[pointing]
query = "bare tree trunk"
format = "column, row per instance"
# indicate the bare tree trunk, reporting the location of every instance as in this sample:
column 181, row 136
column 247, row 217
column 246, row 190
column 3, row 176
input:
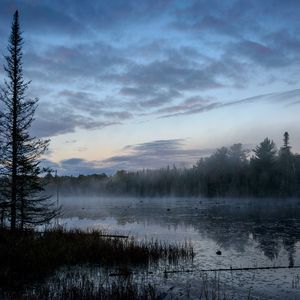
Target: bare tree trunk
column 2, row 218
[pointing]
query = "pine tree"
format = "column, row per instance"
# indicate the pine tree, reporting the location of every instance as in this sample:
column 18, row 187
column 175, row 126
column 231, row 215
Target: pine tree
column 265, row 153
column 263, row 167
column 21, row 183
column 286, row 142
column 286, row 167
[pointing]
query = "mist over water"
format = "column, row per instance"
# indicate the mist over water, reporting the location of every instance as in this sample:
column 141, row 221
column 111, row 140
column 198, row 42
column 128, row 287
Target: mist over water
column 248, row 232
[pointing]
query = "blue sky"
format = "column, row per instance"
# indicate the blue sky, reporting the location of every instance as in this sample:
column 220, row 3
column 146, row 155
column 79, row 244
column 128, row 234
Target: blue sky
column 139, row 84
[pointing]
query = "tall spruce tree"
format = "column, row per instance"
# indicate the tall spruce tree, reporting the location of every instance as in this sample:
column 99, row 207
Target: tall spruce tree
column 263, row 168
column 286, row 167
column 21, row 153
column 286, row 142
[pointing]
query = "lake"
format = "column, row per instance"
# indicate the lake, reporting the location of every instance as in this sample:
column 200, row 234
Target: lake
column 248, row 232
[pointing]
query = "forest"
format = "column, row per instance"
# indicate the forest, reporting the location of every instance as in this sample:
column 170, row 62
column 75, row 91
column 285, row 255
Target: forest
column 230, row 172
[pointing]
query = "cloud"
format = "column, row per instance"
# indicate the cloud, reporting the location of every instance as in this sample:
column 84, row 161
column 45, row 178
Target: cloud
column 206, row 24
column 40, row 17
column 286, row 97
column 73, row 18
column 81, row 61
column 264, row 55
column 165, row 74
column 236, row 18
column 162, row 82
column 88, row 103
column 76, row 109
column 192, row 103
column 98, row 64
column 46, row 163
column 71, row 162
column 153, row 85
column 150, row 155
column 55, row 120
column 157, row 154
column 76, row 166
column 265, row 33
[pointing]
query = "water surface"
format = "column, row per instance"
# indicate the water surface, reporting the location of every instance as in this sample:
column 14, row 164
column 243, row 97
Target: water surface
column 248, row 232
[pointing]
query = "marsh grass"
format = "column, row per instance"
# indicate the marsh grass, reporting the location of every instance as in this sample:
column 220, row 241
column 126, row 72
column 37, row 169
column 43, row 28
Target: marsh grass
column 72, row 283
column 77, row 285
column 29, row 255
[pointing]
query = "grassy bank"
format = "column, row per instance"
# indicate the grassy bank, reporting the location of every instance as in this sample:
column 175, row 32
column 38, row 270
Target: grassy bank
column 28, row 255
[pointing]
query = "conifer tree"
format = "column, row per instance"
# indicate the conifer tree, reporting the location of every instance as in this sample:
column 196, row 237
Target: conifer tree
column 263, row 167
column 286, row 166
column 21, row 153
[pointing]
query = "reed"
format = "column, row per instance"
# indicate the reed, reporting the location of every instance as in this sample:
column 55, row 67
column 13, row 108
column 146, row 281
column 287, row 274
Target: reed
column 29, row 255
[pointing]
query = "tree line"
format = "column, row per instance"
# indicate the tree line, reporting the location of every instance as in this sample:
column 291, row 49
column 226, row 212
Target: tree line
column 22, row 203
column 230, row 171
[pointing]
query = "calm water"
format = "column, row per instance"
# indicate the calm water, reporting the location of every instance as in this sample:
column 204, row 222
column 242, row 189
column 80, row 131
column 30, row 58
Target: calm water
column 249, row 233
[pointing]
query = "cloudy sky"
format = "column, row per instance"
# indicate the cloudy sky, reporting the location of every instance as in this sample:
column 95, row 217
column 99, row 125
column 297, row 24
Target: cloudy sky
column 142, row 83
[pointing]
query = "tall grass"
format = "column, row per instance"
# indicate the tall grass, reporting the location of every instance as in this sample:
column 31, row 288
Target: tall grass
column 82, row 283
column 28, row 255
column 77, row 285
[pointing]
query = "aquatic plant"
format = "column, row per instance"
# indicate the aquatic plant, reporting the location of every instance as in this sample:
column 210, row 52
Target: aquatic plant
column 29, row 255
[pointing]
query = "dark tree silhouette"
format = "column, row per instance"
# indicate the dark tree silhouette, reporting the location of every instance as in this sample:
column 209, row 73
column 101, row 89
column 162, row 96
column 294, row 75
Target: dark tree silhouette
column 21, row 184
column 286, row 141
column 263, row 167
column 286, row 167
column 265, row 153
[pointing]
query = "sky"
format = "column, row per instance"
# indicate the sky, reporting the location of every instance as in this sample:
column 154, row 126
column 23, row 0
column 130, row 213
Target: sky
column 145, row 84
